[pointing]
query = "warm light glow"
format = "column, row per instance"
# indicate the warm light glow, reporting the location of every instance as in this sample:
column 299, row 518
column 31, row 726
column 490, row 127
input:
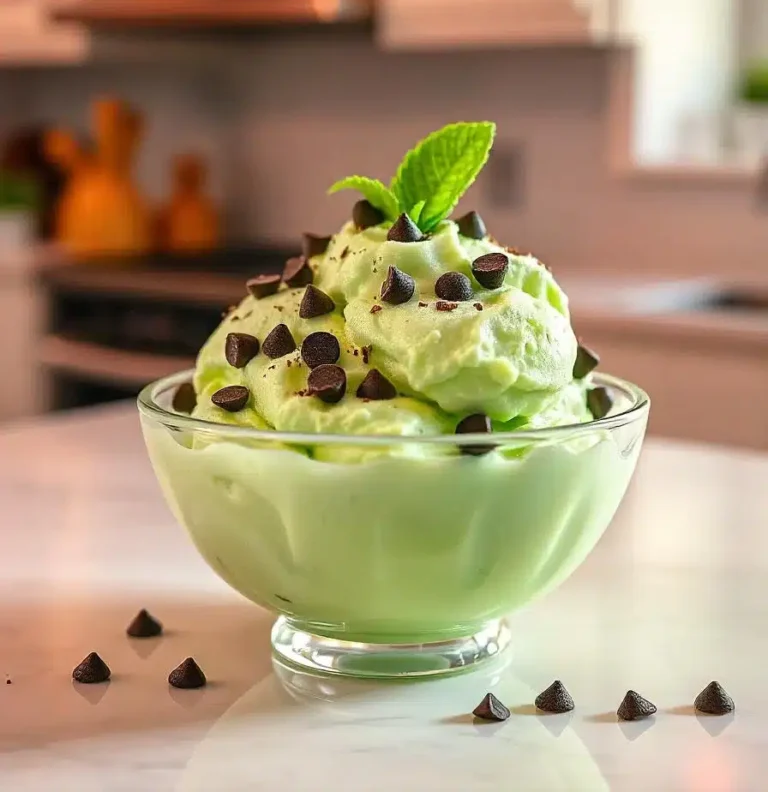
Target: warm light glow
column 712, row 770
column 326, row 9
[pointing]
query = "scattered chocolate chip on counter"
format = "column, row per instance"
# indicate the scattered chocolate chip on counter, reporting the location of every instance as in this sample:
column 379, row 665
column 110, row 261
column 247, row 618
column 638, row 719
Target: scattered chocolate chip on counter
column 144, row 625
column 555, row 699
column 187, row 676
column 635, row 707
column 713, row 700
column 491, row 709
column 91, row 670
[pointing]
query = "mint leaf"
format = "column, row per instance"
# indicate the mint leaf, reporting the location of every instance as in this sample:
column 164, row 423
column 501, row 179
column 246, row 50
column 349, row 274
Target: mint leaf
column 415, row 212
column 373, row 191
column 441, row 168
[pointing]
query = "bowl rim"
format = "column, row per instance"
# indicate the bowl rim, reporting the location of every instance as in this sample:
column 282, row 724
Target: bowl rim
column 149, row 408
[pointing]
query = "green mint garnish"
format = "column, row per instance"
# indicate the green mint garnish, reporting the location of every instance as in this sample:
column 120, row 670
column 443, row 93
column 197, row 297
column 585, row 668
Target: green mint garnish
column 415, row 212
column 432, row 176
column 374, row 192
column 441, row 168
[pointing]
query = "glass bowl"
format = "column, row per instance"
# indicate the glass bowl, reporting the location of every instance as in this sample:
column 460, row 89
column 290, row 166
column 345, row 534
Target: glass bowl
column 393, row 556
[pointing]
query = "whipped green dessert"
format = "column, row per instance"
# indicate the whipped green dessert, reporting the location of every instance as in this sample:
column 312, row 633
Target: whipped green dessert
column 403, row 326
column 424, row 320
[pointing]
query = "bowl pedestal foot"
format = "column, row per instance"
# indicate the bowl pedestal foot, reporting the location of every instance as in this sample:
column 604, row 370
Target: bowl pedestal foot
column 308, row 651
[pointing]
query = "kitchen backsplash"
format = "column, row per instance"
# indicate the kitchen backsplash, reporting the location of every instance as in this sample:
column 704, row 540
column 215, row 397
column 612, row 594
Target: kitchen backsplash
column 281, row 119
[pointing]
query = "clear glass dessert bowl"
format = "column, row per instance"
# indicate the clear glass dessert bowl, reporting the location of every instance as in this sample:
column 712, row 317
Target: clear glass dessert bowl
column 393, row 556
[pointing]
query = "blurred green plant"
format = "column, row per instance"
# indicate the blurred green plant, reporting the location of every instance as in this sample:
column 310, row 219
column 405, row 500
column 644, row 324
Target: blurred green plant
column 754, row 84
column 18, row 192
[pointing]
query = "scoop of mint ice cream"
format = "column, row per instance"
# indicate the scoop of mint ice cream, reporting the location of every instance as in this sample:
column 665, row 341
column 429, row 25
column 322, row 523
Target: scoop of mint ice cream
column 506, row 352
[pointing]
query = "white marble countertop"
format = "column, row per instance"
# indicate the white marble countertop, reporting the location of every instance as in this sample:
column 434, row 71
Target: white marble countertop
column 674, row 596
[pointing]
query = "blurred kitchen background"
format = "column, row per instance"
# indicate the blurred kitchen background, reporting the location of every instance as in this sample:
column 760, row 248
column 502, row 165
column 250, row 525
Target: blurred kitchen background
column 155, row 153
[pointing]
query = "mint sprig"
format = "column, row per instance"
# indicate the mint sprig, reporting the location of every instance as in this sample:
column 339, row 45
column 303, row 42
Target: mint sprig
column 373, row 191
column 432, row 176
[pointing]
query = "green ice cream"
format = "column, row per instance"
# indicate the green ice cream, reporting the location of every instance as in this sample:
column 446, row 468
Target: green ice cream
column 506, row 352
column 396, row 328
column 503, row 348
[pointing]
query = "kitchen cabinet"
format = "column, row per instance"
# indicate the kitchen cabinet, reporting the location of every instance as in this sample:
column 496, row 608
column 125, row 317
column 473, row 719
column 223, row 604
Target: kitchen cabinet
column 449, row 24
column 398, row 24
column 29, row 35
column 22, row 309
column 705, row 371
column 212, row 13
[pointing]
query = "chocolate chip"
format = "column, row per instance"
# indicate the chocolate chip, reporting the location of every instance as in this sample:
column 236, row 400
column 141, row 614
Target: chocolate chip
column 398, row 287
column 279, row 342
column 315, row 303
column 423, row 304
column 319, row 348
column 187, row 675
column 454, row 286
column 366, row 351
column 471, row 225
column 475, row 424
column 144, row 625
column 404, row 230
column 327, row 382
column 365, row 215
column 184, row 400
column 376, row 387
column 635, row 707
column 713, row 700
column 92, row 670
column 441, row 305
column 297, row 271
column 232, row 398
column 490, row 708
column 263, row 285
column 344, row 253
column 599, row 401
column 555, row 699
column 489, row 270
column 586, row 361
column 375, row 309
column 240, row 349
column 313, row 245
column 478, row 306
